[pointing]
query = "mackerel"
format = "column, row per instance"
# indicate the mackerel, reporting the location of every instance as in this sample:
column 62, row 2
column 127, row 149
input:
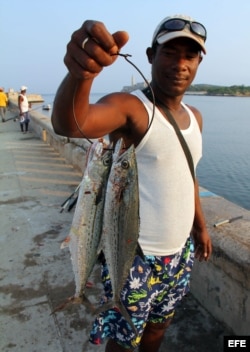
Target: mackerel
column 121, row 221
column 86, row 228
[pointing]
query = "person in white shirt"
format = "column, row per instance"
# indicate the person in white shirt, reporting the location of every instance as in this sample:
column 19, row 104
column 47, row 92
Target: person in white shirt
column 23, row 106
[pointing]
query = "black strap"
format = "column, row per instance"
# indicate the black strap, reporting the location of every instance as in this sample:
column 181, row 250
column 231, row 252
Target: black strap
column 177, row 130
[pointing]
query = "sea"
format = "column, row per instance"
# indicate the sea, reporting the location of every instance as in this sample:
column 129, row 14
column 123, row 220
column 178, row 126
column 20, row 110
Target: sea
column 225, row 166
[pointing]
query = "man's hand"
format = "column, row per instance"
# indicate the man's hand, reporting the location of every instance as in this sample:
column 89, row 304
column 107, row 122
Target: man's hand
column 202, row 243
column 91, row 48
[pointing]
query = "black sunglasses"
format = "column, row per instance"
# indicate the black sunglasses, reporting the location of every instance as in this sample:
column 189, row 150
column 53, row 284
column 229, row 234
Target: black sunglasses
column 178, row 24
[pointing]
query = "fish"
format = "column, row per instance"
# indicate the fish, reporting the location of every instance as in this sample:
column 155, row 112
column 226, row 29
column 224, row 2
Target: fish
column 86, row 228
column 121, row 221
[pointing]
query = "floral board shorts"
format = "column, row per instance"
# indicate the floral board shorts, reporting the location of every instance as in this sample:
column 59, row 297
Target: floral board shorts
column 153, row 289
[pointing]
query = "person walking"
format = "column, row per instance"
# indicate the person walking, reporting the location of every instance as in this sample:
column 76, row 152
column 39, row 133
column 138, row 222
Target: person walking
column 3, row 103
column 23, row 106
column 172, row 225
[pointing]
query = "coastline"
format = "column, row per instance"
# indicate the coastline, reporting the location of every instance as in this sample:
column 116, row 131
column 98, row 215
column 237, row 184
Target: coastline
column 195, row 90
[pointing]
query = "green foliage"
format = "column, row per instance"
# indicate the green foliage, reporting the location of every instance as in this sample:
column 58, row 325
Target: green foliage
column 208, row 89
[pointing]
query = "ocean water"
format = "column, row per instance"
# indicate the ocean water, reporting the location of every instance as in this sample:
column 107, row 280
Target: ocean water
column 49, row 99
column 225, row 166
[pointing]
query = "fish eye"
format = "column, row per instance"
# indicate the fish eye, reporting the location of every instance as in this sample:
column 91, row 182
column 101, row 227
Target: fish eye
column 125, row 164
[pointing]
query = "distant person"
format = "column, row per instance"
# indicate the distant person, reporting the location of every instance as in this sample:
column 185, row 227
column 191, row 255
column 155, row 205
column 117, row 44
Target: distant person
column 23, row 106
column 3, row 104
column 172, row 225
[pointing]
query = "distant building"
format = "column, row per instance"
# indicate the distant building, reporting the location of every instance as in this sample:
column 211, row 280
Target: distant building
column 134, row 86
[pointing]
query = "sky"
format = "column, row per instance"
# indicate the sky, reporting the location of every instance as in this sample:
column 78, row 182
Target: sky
column 34, row 35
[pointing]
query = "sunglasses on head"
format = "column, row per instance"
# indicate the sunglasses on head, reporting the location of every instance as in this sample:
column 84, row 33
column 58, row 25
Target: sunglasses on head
column 178, row 24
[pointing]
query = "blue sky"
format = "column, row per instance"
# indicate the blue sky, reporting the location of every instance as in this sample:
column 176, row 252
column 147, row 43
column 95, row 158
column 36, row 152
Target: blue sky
column 34, row 35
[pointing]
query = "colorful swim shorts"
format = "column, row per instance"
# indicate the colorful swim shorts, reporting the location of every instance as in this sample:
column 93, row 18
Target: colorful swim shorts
column 153, row 289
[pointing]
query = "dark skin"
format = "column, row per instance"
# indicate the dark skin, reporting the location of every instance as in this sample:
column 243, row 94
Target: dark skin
column 174, row 66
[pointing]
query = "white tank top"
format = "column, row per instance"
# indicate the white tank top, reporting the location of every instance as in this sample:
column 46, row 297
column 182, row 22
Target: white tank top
column 165, row 183
column 24, row 105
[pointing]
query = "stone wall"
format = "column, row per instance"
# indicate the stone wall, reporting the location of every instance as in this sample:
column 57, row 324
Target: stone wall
column 222, row 285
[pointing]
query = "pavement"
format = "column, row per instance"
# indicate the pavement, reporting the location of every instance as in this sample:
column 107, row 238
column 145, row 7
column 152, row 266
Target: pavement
column 36, row 275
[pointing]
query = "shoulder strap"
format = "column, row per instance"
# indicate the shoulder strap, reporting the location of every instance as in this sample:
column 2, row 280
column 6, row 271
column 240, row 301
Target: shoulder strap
column 181, row 139
column 178, row 132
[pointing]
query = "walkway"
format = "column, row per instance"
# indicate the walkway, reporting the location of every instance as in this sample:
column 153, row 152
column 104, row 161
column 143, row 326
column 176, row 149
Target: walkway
column 36, row 275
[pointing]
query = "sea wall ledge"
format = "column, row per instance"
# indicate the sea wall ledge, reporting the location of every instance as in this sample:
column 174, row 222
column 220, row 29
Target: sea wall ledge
column 222, row 286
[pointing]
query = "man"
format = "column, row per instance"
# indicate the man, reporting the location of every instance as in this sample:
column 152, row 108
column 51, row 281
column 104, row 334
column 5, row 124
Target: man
column 3, row 104
column 23, row 106
column 170, row 208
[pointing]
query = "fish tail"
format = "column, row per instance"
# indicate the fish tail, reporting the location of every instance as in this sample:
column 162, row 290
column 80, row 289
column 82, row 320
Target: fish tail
column 62, row 306
column 75, row 300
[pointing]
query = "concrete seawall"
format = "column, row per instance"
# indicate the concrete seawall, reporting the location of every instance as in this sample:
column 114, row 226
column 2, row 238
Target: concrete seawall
column 32, row 98
column 222, row 285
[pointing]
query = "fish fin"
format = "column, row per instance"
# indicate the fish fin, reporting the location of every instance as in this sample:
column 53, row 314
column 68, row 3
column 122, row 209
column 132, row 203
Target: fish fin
column 65, row 243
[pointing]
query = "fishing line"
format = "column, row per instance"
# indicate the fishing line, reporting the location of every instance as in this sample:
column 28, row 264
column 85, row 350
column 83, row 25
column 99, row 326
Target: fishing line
column 18, row 116
column 145, row 80
column 125, row 56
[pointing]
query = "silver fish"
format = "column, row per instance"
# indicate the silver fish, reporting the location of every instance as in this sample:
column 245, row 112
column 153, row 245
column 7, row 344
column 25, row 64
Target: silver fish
column 86, row 228
column 121, row 221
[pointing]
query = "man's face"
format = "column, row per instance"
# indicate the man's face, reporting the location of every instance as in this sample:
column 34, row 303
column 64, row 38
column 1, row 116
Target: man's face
column 174, row 65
